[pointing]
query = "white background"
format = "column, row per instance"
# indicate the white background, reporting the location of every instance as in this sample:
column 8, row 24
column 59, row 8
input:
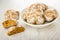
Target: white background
column 51, row 32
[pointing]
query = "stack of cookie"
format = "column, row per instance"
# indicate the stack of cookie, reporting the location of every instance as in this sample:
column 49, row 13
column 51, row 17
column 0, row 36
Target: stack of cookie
column 11, row 17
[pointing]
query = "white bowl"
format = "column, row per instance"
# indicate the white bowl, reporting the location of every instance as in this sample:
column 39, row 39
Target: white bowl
column 41, row 25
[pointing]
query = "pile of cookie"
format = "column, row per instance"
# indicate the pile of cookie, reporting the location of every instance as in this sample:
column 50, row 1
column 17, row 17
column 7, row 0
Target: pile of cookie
column 11, row 22
column 39, row 14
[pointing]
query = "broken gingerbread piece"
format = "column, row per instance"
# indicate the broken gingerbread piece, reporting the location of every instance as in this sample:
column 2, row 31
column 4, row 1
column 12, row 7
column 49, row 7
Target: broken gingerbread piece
column 15, row 30
column 9, row 23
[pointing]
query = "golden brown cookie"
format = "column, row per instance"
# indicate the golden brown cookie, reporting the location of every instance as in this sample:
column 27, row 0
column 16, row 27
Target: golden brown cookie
column 9, row 23
column 15, row 30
